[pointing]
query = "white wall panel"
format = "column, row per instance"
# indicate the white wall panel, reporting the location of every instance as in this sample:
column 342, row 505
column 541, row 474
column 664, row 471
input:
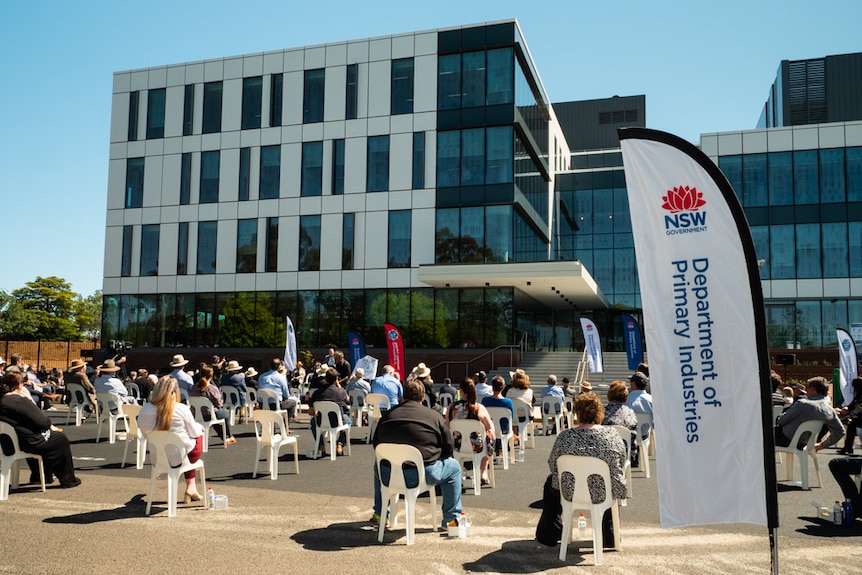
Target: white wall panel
column 291, row 112
column 291, row 170
column 853, row 134
column 425, row 84
column 330, row 241
column 315, row 57
column 139, row 80
column 229, row 175
column 273, row 62
column 380, row 80
column 120, row 117
column 335, row 93
column 195, row 73
column 231, row 105
column 287, row 281
column 233, row 68
column 401, row 161
column 425, row 43
column 288, row 243
column 157, row 78
column 116, row 184
column 402, row 46
column 168, row 242
column 376, row 239
column 113, row 251
column 252, row 65
column 836, row 287
column 176, row 75
column 754, row 142
column 245, row 282
column 805, row 138
column 226, row 254
column 122, row 82
column 171, row 174
column 330, row 280
column 780, row 140
column 213, row 70
column 380, row 49
column 336, row 54
column 355, row 153
column 831, row 136
column 152, row 181
column 422, row 239
column 730, row 143
column 308, row 280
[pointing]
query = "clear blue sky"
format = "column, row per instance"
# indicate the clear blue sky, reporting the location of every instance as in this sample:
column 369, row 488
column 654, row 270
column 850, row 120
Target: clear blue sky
column 703, row 66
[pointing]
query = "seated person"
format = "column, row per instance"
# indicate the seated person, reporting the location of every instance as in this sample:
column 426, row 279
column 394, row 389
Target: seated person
column 388, row 385
column 411, row 423
column 807, row 408
column 588, row 438
column 35, row 432
column 331, row 391
column 107, row 383
column 843, row 469
column 235, row 378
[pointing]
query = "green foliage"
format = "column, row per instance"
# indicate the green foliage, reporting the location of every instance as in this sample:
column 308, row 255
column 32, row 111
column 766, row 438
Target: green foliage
column 47, row 309
column 247, row 324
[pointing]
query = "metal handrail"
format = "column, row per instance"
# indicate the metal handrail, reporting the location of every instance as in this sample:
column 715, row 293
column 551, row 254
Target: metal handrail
column 467, row 363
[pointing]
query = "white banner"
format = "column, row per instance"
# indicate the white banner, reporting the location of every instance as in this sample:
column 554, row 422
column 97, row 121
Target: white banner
column 290, row 346
column 849, row 364
column 694, row 259
column 592, row 344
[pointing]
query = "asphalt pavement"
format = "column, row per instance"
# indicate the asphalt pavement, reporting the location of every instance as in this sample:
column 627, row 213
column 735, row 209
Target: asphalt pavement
column 317, row 521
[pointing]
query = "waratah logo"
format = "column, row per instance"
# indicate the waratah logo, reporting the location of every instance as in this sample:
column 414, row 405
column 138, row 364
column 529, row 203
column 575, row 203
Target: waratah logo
column 683, row 199
column 393, row 335
column 845, row 344
column 683, row 204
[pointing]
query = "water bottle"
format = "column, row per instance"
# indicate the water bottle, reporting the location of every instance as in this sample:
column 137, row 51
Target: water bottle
column 210, row 498
column 837, row 514
column 848, row 514
column 582, row 526
column 462, row 526
column 520, row 457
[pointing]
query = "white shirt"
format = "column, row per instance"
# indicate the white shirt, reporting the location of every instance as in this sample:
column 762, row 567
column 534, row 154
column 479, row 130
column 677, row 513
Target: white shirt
column 183, row 423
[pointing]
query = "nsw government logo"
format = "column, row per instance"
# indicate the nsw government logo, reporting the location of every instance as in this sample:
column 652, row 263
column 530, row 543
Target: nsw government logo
column 393, row 335
column 845, row 343
column 685, row 215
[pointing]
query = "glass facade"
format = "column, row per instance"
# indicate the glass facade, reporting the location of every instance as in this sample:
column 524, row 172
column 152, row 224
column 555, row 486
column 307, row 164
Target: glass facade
column 418, row 160
column 351, row 92
column 276, row 96
column 207, row 247
column 183, row 249
column 348, row 239
column 132, row 127
column 134, row 197
column 271, row 255
column 377, row 179
column 244, row 174
column 188, row 109
column 209, row 183
column 401, row 96
column 252, row 102
column 156, row 114
column 400, row 232
column 149, row 250
column 212, row 108
column 309, row 243
column 185, row 179
column 312, row 169
column 270, row 172
column 337, row 167
column 246, row 246
column 313, row 96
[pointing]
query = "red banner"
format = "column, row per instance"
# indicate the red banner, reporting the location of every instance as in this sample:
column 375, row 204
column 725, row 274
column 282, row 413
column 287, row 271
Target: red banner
column 395, row 344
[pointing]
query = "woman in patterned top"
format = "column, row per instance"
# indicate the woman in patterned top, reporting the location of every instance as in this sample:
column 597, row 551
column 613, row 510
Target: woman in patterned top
column 618, row 413
column 589, row 438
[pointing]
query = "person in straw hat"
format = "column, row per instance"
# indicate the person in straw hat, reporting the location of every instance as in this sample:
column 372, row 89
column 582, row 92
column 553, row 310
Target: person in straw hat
column 423, row 373
column 107, row 382
column 78, row 374
column 184, row 380
column 234, row 377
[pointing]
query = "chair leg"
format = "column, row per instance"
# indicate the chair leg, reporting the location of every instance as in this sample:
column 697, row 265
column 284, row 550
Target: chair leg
column 817, row 469
column 803, row 472
column 150, row 495
column 256, row 461
column 598, row 536
column 296, row 457
column 273, row 462
column 566, row 536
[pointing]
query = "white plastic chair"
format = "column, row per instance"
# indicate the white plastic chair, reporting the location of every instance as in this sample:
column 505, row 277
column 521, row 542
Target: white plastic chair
column 201, row 407
column 110, row 401
column 444, row 400
column 169, row 457
column 626, row 436
column 374, row 403
column 134, row 391
column 78, row 400
column 524, row 421
column 134, row 435
column 328, row 420
column 552, row 410
column 184, row 395
column 465, row 452
column 812, row 427
column 270, row 401
column 397, row 455
column 358, row 406
column 644, row 444
column 581, row 468
column 271, row 432
column 230, row 400
column 503, row 419
column 10, row 460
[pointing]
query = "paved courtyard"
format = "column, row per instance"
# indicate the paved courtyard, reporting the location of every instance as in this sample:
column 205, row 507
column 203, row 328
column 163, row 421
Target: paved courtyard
column 317, row 522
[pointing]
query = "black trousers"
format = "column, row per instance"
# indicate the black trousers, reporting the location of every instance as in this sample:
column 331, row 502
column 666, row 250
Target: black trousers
column 842, row 469
column 56, row 456
column 549, row 531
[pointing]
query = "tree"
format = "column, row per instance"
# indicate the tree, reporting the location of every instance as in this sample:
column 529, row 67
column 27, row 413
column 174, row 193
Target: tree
column 50, row 303
column 15, row 321
column 88, row 315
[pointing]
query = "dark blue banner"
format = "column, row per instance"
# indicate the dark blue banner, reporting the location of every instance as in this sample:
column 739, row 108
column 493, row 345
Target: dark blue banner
column 632, row 336
column 356, row 346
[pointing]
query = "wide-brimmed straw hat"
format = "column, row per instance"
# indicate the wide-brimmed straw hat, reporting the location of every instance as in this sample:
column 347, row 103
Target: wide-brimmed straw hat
column 233, row 365
column 109, row 366
column 250, row 372
column 77, row 364
column 421, row 370
column 586, row 386
column 179, row 361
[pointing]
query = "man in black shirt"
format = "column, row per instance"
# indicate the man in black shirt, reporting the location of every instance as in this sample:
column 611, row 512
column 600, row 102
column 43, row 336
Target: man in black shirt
column 412, row 423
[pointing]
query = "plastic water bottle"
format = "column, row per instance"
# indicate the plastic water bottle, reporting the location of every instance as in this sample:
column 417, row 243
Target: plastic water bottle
column 462, row 526
column 837, row 514
column 848, row 514
column 210, row 499
column 582, row 526
column 520, row 457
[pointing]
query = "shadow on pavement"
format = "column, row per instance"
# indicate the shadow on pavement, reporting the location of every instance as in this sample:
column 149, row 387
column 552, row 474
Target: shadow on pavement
column 526, row 556
column 135, row 507
column 820, row 527
column 343, row 536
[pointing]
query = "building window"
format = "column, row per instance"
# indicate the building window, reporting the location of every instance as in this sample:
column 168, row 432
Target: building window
column 276, row 94
column 449, row 82
column 207, row 247
column 246, row 246
column 312, row 169
column 271, row 256
column 270, row 172
column 351, row 96
column 472, row 79
column 244, row 171
column 499, row 154
column 399, row 238
column 475, row 79
column 418, row 160
column 149, row 250
column 188, row 109
column 448, row 159
column 337, row 167
column 472, row 157
column 183, row 249
column 212, row 108
column 347, row 240
column 313, row 92
column 476, row 156
column 378, row 164
column 156, row 114
column 209, row 177
column 805, row 181
column 186, row 179
column 501, row 74
column 252, row 98
column 402, row 86
column 126, row 258
column 134, row 97
column 134, row 182
column 309, row 243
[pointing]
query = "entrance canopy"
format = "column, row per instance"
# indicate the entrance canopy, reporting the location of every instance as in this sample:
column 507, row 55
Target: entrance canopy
column 556, row 285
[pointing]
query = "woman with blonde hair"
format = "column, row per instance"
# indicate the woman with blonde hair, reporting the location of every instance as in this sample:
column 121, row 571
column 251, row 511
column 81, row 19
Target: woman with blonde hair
column 165, row 412
column 520, row 387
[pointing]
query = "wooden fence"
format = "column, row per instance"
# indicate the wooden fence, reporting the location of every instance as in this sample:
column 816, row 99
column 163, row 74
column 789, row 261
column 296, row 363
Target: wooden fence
column 48, row 353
